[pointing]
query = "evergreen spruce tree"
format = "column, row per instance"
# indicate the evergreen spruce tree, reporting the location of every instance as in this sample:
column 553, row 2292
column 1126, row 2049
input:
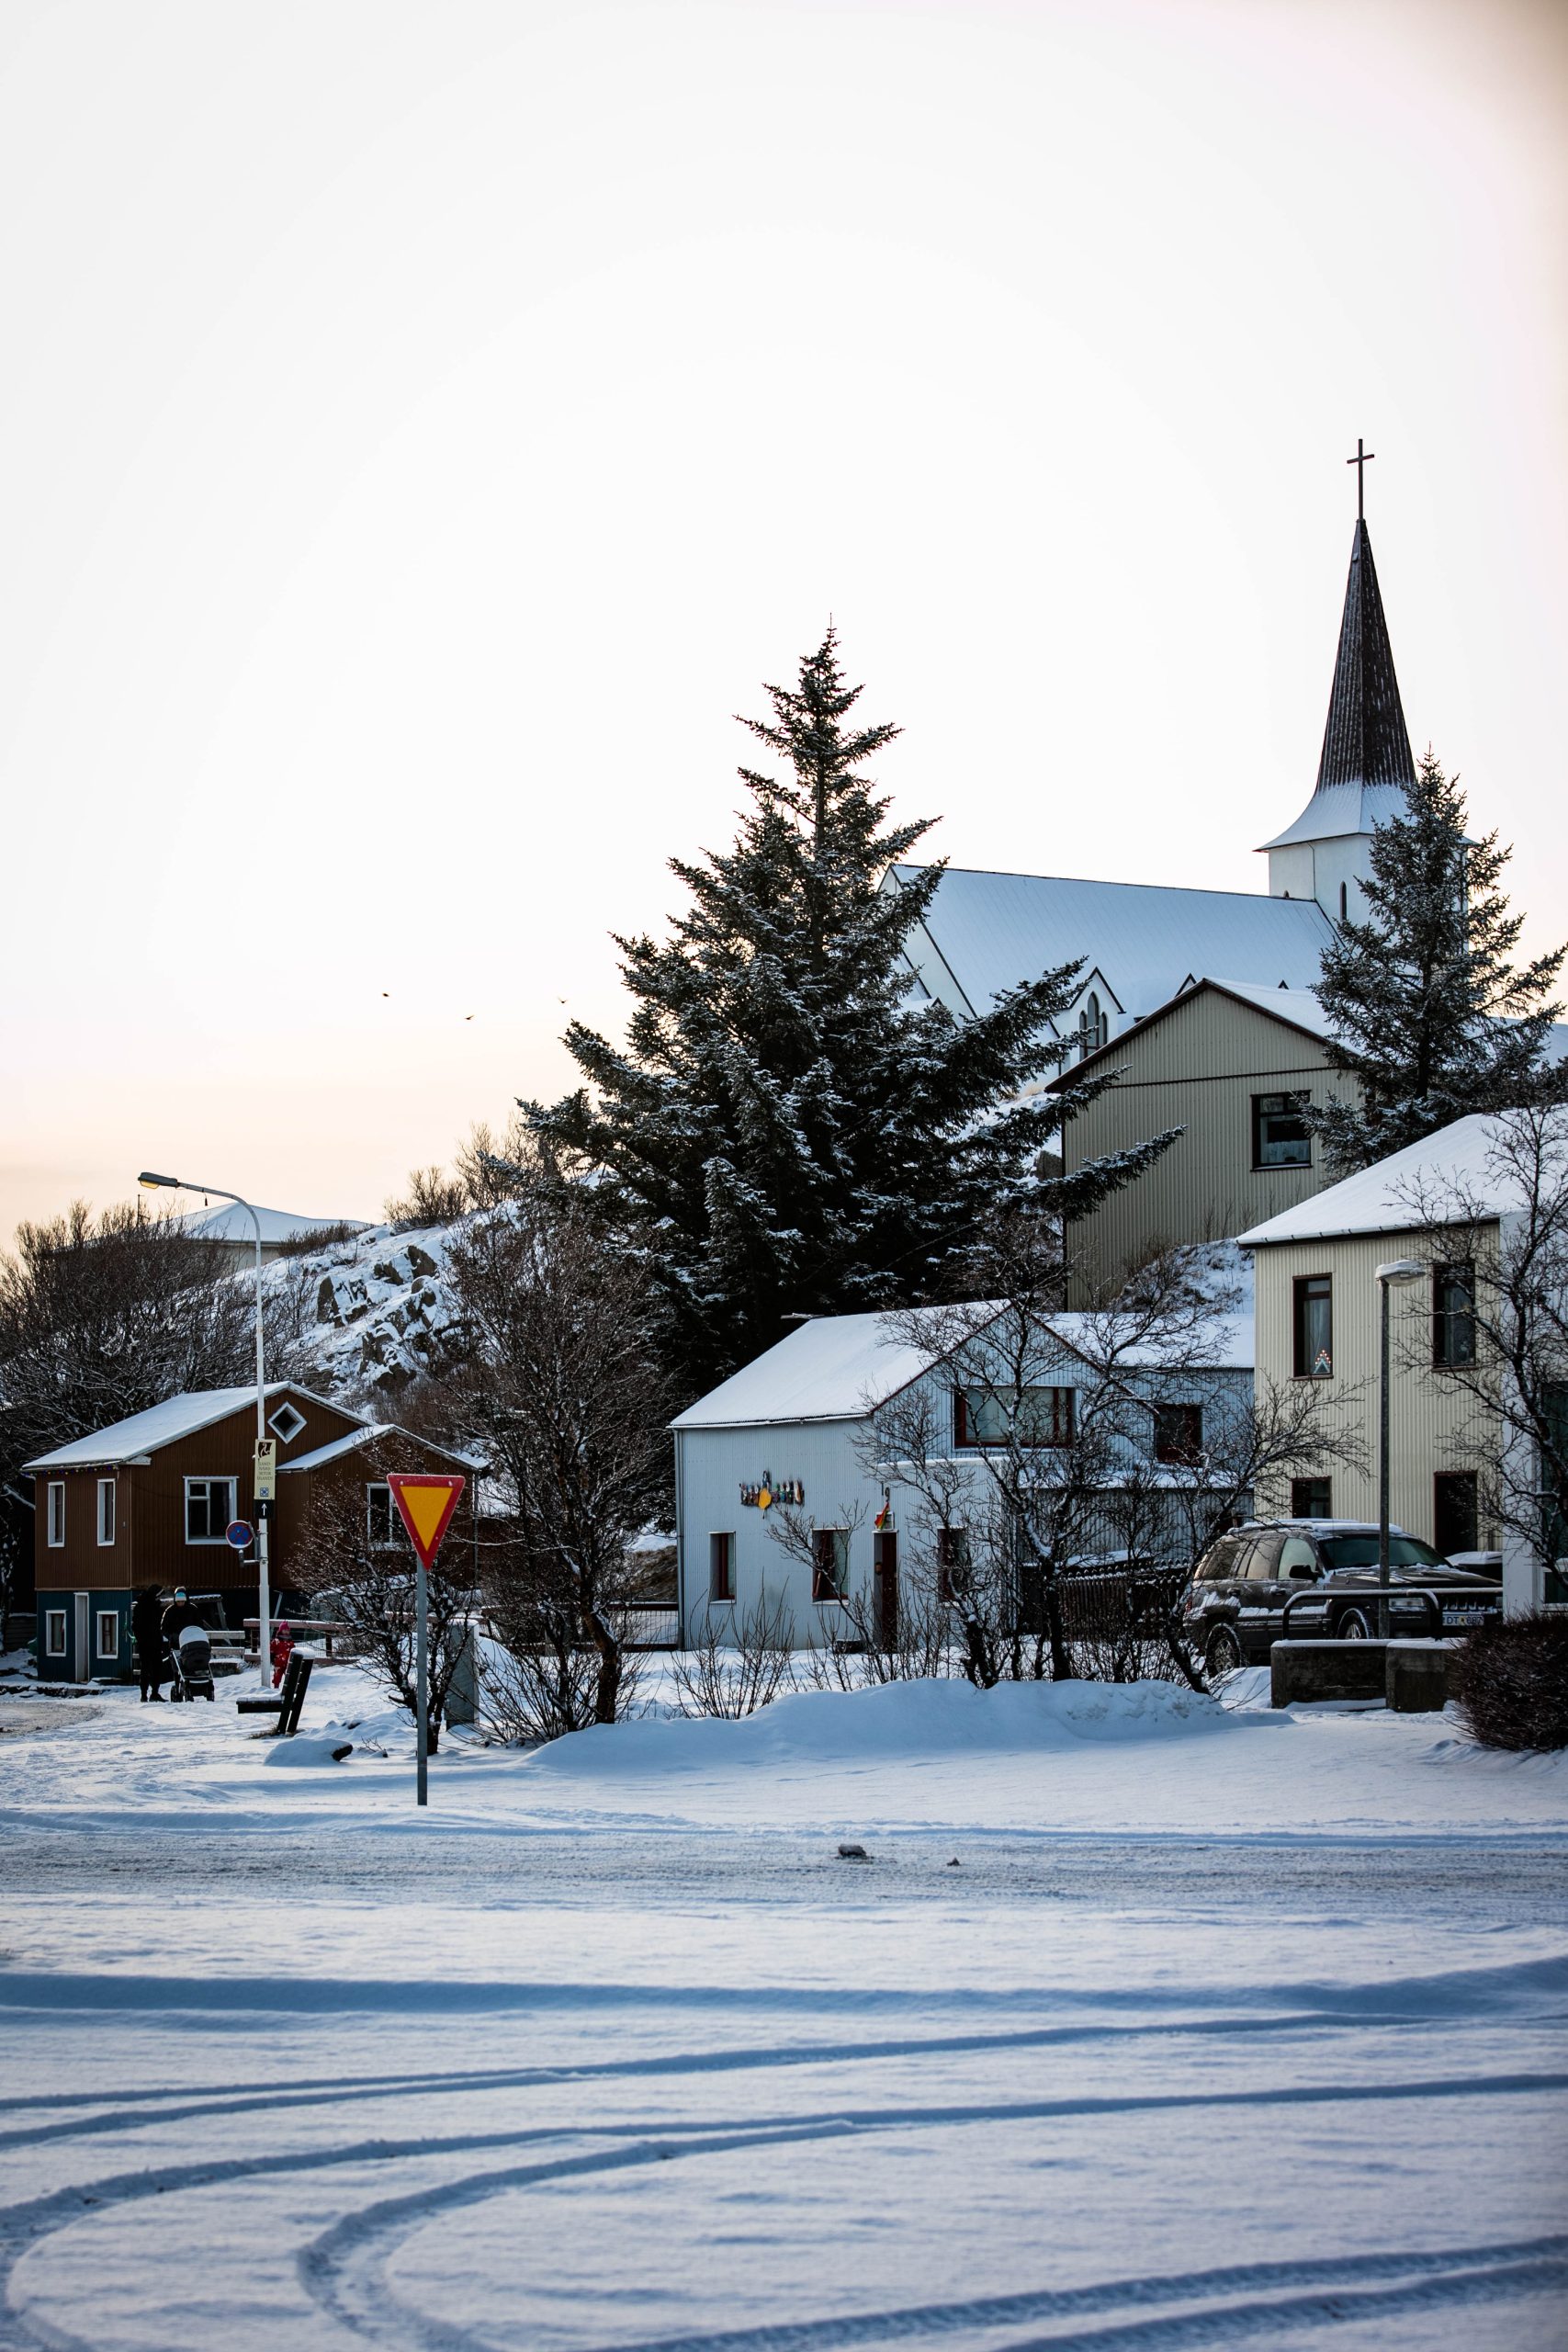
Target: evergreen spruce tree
column 785, row 1131
column 1429, row 1012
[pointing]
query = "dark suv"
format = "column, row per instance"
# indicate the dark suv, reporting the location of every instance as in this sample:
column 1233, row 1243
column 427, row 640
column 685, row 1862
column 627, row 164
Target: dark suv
column 1234, row 1608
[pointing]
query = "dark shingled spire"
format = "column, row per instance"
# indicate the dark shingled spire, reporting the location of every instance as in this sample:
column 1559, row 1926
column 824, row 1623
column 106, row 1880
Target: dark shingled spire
column 1365, row 741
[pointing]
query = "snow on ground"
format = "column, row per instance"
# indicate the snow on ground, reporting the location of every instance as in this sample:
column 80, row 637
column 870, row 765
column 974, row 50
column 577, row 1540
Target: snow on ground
column 1150, row 2022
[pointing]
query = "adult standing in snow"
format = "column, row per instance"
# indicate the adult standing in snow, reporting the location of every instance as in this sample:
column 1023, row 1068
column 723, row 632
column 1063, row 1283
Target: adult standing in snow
column 180, row 1613
column 282, row 1651
column 147, row 1630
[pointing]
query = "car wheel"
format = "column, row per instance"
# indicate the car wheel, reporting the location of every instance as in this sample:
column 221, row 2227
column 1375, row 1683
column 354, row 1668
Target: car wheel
column 1222, row 1655
column 1353, row 1627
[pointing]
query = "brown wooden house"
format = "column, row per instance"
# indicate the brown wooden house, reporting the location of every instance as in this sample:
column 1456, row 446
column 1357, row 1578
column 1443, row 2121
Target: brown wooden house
column 147, row 1502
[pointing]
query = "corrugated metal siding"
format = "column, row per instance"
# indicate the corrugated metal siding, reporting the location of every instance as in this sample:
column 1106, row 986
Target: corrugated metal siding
column 1426, row 1416
column 1197, row 1068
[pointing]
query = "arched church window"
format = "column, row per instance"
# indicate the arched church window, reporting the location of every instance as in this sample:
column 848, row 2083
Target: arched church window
column 1094, row 1026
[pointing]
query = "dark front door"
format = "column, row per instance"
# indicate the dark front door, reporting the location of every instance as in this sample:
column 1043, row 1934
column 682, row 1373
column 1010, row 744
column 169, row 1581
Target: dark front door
column 1455, row 1516
column 885, row 1565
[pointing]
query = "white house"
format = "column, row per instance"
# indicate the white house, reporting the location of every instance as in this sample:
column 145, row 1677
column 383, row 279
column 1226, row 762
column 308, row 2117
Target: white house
column 806, row 1439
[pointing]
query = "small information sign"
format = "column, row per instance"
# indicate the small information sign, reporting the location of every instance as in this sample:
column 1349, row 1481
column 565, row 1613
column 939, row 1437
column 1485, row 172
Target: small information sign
column 264, row 1483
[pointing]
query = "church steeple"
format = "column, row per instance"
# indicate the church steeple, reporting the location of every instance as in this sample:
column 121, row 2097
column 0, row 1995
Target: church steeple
column 1365, row 767
column 1365, row 741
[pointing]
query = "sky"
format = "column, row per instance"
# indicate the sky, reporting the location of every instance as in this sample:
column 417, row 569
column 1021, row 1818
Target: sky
column 425, row 426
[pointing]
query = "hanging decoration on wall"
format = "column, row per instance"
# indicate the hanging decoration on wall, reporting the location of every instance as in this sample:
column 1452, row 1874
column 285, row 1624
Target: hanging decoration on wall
column 884, row 1515
column 770, row 1490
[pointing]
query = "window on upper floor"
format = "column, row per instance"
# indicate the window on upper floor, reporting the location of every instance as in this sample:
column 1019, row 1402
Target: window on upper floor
column 106, row 1510
column 55, row 1509
column 1280, row 1136
column 1453, row 1313
column 1314, row 1326
column 1312, row 1498
column 210, row 1507
column 1026, row 1417
column 382, row 1524
column 1094, row 1026
column 1179, row 1434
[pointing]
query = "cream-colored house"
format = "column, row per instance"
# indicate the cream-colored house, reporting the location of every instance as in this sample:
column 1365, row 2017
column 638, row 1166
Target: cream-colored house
column 1229, row 1063
column 1452, row 1202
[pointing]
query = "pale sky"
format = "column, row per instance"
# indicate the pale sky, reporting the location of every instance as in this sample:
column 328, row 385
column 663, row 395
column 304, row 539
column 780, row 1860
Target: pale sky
column 424, row 425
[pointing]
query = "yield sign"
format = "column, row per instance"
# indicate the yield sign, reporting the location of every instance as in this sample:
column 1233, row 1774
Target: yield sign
column 425, row 1506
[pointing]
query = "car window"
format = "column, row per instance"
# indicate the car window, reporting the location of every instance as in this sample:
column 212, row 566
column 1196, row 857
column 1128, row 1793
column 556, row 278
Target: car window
column 1361, row 1552
column 1221, row 1562
column 1298, row 1558
column 1260, row 1560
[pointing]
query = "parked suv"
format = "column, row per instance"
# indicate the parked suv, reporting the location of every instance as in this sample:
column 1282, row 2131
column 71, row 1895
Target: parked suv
column 1234, row 1607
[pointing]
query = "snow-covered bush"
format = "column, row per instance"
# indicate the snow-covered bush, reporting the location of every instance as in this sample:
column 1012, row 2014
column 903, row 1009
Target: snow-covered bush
column 1511, row 1681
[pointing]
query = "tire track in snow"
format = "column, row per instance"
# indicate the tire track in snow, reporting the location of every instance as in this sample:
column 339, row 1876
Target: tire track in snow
column 359, row 2240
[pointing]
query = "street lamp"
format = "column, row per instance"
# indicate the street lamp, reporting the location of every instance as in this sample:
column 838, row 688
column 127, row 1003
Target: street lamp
column 152, row 1183
column 1400, row 1271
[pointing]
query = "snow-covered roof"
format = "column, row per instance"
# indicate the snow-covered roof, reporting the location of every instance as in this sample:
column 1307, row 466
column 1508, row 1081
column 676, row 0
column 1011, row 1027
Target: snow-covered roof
column 834, row 1368
column 991, row 930
column 1298, row 1008
column 1458, row 1164
column 231, row 1222
column 160, row 1425
column 841, row 1367
column 1338, row 808
column 368, row 1435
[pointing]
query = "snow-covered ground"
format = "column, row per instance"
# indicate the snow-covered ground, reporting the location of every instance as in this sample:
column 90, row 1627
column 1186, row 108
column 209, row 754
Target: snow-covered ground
column 1149, row 2023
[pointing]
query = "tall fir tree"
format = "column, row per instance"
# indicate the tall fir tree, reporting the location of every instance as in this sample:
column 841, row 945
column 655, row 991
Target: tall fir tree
column 786, row 1131
column 1430, row 1014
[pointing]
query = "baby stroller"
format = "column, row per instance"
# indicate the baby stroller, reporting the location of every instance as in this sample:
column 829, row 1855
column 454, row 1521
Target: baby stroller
column 192, row 1658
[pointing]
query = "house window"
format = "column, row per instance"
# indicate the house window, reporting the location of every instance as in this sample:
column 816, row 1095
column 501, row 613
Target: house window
column 210, row 1507
column 1094, row 1026
column 108, row 1632
column 1312, row 1498
column 106, row 1510
column 830, row 1563
column 56, row 1514
column 1456, row 1515
column 1179, row 1434
column 381, row 1521
column 1280, row 1136
column 1453, row 1314
column 1014, row 1416
column 721, row 1568
column 1314, row 1327
column 286, row 1423
column 54, row 1633
column 952, row 1562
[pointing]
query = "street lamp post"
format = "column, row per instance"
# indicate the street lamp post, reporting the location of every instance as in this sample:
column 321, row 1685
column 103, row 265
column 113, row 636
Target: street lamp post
column 1400, row 1271
column 153, row 1183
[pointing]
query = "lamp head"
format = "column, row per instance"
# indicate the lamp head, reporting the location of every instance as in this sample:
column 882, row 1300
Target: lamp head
column 152, row 1183
column 1400, row 1270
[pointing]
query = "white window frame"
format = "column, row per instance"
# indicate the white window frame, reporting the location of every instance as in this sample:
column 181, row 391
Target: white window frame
column 55, row 1506
column 724, row 1535
column 106, row 1512
column 293, row 1421
column 388, row 1543
column 57, row 1619
column 109, row 1621
column 217, row 1479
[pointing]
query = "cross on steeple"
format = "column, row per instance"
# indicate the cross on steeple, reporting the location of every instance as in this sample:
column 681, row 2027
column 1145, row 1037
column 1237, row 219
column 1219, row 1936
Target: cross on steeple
column 1361, row 460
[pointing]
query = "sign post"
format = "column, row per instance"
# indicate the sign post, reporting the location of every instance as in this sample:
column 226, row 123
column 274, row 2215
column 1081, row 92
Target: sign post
column 425, row 1506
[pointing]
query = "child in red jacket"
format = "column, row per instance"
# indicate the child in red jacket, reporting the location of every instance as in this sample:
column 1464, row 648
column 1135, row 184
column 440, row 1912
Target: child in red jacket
column 282, row 1651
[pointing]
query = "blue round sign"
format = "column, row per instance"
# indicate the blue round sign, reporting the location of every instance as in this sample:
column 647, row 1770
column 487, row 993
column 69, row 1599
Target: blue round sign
column 241, row 1533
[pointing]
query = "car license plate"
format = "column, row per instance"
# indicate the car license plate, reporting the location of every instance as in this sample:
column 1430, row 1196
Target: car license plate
column 1464, row 1616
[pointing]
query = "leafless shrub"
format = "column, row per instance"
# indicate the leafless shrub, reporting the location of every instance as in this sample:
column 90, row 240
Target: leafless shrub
column 736, row 1662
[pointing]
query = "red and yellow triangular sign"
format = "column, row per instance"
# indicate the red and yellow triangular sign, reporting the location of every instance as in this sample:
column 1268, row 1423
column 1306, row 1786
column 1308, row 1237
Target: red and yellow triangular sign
column 425, row 1506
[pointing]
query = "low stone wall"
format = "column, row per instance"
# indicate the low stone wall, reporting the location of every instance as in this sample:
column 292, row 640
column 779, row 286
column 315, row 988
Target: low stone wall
column 1410, row 1677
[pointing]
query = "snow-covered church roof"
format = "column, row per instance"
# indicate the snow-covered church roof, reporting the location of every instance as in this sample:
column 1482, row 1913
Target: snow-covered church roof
column 985, row 933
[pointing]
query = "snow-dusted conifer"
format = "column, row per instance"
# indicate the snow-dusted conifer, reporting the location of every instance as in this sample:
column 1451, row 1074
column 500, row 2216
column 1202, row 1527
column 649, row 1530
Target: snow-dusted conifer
column 786, row 1131
column 1429, row 1012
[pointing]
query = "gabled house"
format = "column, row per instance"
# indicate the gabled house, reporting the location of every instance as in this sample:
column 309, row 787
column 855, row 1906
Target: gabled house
column 813, row 1429
column 1230, row 1064
column 147, row 1501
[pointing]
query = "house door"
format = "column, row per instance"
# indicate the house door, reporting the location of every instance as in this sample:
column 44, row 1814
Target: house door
column 884, row 1572
column 81, row 1656
column 1454, row 1511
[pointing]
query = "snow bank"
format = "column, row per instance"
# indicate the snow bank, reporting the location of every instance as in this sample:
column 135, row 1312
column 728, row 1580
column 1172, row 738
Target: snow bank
column 922, row 1721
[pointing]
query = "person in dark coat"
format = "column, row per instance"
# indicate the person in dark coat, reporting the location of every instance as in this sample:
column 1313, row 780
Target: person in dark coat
column 180, row 1613
column 147, row 1630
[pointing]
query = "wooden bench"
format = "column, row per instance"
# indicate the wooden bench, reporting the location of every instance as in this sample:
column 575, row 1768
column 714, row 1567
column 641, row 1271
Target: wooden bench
column 288, row 1703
